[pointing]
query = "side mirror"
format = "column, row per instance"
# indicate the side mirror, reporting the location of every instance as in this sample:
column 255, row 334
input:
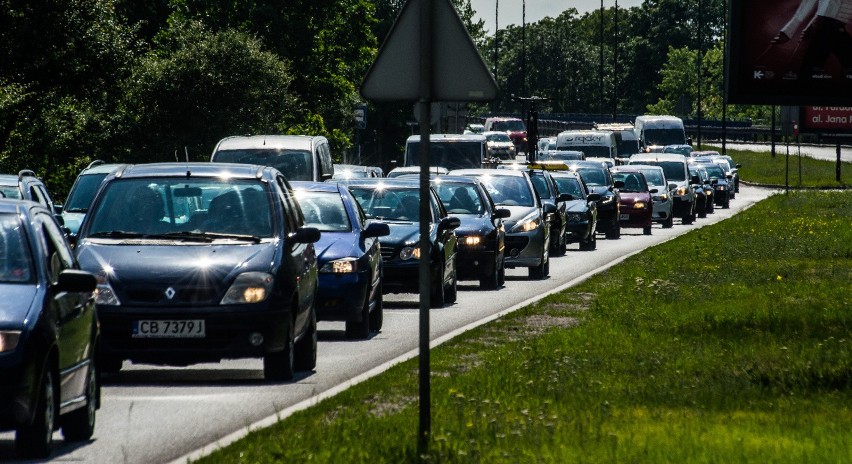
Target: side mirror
column 306, row 235
column 58, row 207
column 564, row 197
column 653, row 191
column 619, row 184
column 689, row 141
column 593, row 197
column 738, row 166
column 714, row 182
column 73, row 281
column 376, row 229
column 59, row 219
column 672, row 186
column 695, row 180
column 450, row 223
column 548, row 208
column 729, row 177
column 501, row 213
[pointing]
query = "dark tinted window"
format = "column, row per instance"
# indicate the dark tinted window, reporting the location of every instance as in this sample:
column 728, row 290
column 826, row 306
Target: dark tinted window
column 16, row 265
column 569, row 186
column 324, row 210
column 83, row 192
column 460, row 198
column 508, row 190
column 294, row 164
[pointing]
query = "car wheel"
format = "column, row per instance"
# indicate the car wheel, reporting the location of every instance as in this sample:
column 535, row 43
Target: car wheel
column 377, row 316
column 278, row 365
column 614, row 233
column 36, row 440
column 646, row 230
column 501, row 276
column 558, row 247
column 438, row 297
column 669, row 222
column 360, row 330
column 79, row 425
column 110, row 364
column 689, row 218
column 305, row 357
column 541, row 271
column 452, row 292
column 712, row 207
column 490, row 281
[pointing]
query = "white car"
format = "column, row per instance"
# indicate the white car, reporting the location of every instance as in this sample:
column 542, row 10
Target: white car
column 656, row 178
column 499, row 145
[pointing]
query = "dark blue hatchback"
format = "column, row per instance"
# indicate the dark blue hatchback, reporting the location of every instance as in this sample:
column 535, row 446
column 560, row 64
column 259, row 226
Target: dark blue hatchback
column 199, row 262
column 349, row 257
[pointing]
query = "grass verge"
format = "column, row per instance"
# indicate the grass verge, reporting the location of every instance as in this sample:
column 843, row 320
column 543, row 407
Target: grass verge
column 732, row 343
column 762, row 168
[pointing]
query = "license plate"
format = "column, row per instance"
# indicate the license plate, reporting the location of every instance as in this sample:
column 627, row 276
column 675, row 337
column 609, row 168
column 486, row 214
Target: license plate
column 160, row 328
column 624, row 217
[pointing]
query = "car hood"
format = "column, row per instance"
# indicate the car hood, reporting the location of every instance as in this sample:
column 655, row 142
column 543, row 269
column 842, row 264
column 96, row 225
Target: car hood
column 576, row 206
column 402, row 233
column 600, row 190
column 141, row 273
column 336, row 245
column 15, row 304
column 474, row 224
column 518, row 213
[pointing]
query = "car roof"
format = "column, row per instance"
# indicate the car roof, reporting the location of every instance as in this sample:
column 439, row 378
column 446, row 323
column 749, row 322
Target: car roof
column 628, row 168
column 450, row 138
column 316, row 186
column 503, row 118
column 197, row 169
column 657, row 157
column 488, row 172
column 587, row 164
column 295, row 142
column 455, row 179
column 11, row 205
column 385, row 183
column 571, row 174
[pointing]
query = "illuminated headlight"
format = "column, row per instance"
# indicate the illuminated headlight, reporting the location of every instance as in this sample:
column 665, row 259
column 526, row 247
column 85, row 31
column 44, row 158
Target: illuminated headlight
column 9, row 340
column 341, row 266
column 662, row 197
column 104, row 294
column 409, row 252
column 473, row 240
column 249, row 287
column 608, row 199
column 720, row 187
column 528, row 224
column 682, row 191
column 575, row 217
column 639, row 205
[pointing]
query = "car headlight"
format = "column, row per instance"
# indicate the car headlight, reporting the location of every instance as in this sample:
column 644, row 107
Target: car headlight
column 528, row 224
column 682, row 191
column 720, row 187
column 639, row 205
column 472, row 240
column 607, row 199
column 341, row 266
column 249, row 287
column 104, row 294
column 9, row 340
column 409, row 252
column 662, row 197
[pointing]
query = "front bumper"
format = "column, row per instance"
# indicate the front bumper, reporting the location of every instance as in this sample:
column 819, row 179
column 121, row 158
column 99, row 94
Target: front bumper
column 577, row 231
column 525, row 249
column 476, row 264
column 631, row 217
column 682, row 206
column 341, row 297
column 607, row 216
column 662, row 210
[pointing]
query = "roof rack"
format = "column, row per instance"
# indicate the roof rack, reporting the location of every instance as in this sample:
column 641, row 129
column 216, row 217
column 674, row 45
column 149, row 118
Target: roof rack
column 95, row 163
column 26, row 173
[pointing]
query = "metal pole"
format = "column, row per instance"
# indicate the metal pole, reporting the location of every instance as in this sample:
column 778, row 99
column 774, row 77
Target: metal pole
column 615, row 68
column 524, row 47
column 725, row 86
column 601, row 72
column 772, row 133
column 837, row 165
column 496, row 35
column 426, row 78
column 700, row 59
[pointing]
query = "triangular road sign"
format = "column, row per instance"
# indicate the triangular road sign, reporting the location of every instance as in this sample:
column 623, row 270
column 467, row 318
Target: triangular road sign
column 458, row 71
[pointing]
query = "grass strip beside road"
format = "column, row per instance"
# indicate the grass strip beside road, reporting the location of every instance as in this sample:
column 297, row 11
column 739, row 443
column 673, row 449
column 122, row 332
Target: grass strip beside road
column 732, row 343
column 761, row 168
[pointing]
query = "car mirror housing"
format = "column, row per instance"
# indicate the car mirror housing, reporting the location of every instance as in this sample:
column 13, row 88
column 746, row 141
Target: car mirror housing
column 619, row 184
column 377, row 229
column 73, row 281
column 672, row 186
column 653, row 191
column 594, row 197
column 501, row 213
column 306, row 235
column 564, row 197
column 450, row 223
column 549, row 208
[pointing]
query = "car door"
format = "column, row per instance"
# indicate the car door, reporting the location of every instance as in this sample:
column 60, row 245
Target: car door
column 371, row 245
column 446, row 237
column 301, row 255
column 73, row 312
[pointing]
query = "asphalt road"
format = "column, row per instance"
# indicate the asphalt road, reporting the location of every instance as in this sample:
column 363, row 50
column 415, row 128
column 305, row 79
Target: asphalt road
column 154, row 414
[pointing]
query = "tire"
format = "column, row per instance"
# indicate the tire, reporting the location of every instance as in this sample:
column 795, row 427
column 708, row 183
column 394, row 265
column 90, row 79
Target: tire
column 279, row 365
column 501, row 276
column 360, row 330
column 646, row 230
column 377, row 316
column 614, row 233
column 712, row 207
column 491, row 281
column 668, row 223
column 541, row 271
column 305, row 356
column 689, row 218
column 79, row 425
column 452, row 292
column 558, row 247
column 727, row 204
column 110, row 364
column 589, row 244
column 438, row 299
column 36, row 440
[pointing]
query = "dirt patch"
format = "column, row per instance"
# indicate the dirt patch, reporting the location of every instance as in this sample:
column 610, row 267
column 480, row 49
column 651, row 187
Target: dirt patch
column 383, row 407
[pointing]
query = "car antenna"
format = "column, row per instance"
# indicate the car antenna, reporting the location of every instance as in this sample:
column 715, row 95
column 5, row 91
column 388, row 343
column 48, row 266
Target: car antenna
column 186, row 151
column 177, row 160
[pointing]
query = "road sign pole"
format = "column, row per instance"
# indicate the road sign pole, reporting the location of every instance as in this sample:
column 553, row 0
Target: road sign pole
column 426, row 71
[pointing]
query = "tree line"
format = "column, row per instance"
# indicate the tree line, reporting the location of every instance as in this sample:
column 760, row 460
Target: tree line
column 151, row 80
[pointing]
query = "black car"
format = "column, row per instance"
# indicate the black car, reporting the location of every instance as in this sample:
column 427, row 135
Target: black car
column 703, row 189
column 481, row 235
column 397, row 204
column 547, row 191
column 199, row 262
column 722, row 184
column 581, row 210
column 598, row 179
column 48, row 332
column 349, row 257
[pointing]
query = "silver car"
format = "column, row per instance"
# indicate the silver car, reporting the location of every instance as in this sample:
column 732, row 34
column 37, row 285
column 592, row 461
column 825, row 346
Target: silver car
column 656, row 178
column 527, row 229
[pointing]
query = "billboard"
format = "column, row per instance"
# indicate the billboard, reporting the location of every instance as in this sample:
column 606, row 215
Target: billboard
column 790, row 52
column 826, row 119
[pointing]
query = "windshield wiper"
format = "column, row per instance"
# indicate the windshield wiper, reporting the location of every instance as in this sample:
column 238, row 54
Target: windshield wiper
column 208, row 236
column 75, row 210
column 117, row 234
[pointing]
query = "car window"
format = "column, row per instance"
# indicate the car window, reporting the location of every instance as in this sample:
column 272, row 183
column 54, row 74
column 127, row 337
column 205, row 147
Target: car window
column 324, row 210
column 593, row 176
column 294, row 164
column 569, row 186
column 83, row 192
column 57, row 252
column 654, row 177
column 388, row 204
column 540, row 185
column 508, row 190
column 182, row 205
column 459, row 198
column 633, row 182
column 16, row 264
column 714, row 170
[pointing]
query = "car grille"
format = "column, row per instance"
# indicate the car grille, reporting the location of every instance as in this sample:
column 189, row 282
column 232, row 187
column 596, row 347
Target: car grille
column 388, row 253
column 145, row 294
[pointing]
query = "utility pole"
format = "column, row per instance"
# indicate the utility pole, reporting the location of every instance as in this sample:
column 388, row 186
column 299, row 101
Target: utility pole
column 601, row 71
column 700, row 67
column 725, row 87
column 615, row 68
column 524, row 47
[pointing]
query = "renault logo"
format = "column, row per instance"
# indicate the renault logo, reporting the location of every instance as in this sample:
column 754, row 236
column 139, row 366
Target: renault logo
column 170, row 293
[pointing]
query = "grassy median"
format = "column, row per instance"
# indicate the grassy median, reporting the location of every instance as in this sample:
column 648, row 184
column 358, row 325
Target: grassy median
column 762, row 168
column 732, row 343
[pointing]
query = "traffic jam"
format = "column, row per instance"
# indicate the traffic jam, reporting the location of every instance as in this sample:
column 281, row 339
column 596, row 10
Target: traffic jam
column 181, row 263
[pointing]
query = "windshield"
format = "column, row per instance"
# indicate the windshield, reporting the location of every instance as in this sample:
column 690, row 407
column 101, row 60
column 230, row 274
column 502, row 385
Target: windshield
column 633, row 182
column 398, row 204
column 653, row 176
column 508, row 190
column 627, row 148
column 185, row 206
column 569, row 186
column 593, row 151
column 714, row 170
column 83, row 192
column 664, row 137
column 460, row 198
column 324, row 210
column 723, row 163
column 513, row 126
column 540, row 185
column 448, row 154
column 10, row 191
column 563, row 156
column 350, row 173
column 593, row 176
column 16, row 265
column 673, row 169
column 498, row 137
column 294, row 164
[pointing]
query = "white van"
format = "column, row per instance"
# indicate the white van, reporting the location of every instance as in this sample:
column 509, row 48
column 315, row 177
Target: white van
column 625, row 138
column 451, row 151
column 655, row 132
column 594, row 144
column 298, row 157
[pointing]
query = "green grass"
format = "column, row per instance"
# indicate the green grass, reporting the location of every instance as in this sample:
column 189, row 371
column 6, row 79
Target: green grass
column 730, row 344
column 762, row 168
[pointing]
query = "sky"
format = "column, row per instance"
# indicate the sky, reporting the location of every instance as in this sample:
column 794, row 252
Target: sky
column 511, row 10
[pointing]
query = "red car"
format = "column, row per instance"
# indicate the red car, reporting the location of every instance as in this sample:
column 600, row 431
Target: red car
column 636, row 202
column 513, row 126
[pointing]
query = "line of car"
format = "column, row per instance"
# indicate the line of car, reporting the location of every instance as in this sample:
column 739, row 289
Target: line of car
column 181, row 263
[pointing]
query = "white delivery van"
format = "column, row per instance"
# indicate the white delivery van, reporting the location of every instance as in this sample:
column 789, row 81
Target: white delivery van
column 593, row 143
column 298, row 157
column 625, row 138
column 655, row 132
